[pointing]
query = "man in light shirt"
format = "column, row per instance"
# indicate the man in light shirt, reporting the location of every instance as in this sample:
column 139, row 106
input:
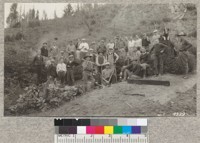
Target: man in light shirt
column 61, row 71
column 155, row 38
column 138, row 41
column 83, row 47
column 131, row 48
column 110, row 44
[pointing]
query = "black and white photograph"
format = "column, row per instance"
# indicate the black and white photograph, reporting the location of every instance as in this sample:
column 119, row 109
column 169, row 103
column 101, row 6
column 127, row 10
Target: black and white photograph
column 100, row 59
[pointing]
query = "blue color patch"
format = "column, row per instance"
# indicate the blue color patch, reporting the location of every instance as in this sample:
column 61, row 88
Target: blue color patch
column 136, row 129
column 126, row 130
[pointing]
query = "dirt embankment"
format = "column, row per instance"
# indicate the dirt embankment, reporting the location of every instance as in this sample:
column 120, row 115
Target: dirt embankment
column 180, row 97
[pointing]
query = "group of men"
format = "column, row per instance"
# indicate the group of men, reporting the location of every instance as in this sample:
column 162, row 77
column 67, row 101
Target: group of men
column 99, row 60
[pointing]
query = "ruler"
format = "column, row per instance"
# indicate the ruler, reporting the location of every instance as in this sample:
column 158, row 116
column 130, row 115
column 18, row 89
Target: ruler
column 76, row 138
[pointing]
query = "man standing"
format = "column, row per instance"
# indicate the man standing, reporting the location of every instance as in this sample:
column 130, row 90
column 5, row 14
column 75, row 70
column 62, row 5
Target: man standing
column 71, row 49
column 39, row 66
column 158, row 51
column 155, row 38
column 138, row 41
column 145, row 42
column 70, row 70
column 131, row 48
column 54, row 48
column 112, row 57
column 83, row 47
column 110, row 44
column 51, row 70
column 101, row 48
column 61, row 71
column 44, row 50
column 88, row 68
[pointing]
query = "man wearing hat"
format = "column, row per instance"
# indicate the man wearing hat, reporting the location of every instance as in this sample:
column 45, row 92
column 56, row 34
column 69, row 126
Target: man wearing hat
column 88, row 68
column 71, row 49
column 61, row 71
column 101, row 48
column 107, row 74
column 51, row 69
column 44, row 50
column 112, row 57
column 110, row 44
column 83, row 47
column 155, row 37
column 70, row 70
column 183, row 55
column 39, row 66
column 145, row 42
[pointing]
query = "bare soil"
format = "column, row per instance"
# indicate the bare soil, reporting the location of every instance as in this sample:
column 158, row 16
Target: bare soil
column 179, row 97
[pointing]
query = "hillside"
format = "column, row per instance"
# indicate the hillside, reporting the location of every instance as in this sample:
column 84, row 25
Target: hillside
column 106, row 22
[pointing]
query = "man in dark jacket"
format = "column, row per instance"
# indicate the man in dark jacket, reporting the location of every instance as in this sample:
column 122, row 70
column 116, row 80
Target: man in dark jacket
column 70, row 70
column 44, row 50
column 157, row 53
column 102, row 48
column 145, row 42
column 51, row 70
column 39, row 66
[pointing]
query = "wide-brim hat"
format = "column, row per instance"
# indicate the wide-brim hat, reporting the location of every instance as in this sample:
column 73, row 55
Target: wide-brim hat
column 110, row 48
column 87, row 55
column 155, row 31
column 71, row 56
column 181, row 34
column 107, row 63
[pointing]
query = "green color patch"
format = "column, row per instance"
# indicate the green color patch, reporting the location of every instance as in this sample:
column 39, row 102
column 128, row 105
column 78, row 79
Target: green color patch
column 117, row 129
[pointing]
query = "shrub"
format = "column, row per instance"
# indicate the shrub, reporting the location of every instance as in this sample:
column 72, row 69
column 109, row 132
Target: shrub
column 7, row 38
column 17, row 25
column 166, row 19
column 143, row 22
column 19, row 36
column 33, row 24
column 191, row 7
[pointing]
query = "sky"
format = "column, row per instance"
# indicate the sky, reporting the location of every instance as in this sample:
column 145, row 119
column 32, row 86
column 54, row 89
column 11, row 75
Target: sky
column 48, row 7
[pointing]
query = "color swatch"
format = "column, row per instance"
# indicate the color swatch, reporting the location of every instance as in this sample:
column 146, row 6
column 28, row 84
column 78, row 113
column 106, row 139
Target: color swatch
column 100, row 126
column 101, row 122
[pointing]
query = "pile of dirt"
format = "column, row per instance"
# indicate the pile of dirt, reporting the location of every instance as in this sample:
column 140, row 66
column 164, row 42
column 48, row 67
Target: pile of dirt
column 43, row 97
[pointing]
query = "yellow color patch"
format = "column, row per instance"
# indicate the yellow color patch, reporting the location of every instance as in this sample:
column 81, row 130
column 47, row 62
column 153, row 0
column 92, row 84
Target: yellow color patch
column 108, row 129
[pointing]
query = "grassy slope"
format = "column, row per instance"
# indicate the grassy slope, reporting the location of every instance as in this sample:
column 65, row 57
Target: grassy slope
column 113, row 20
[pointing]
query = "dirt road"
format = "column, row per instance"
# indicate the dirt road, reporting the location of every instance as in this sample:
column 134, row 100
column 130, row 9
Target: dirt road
column 180, row 96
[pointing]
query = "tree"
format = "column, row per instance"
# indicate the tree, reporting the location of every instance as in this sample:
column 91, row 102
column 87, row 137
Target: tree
column 68, row 11
column 33, row 13
column 55, row 15
column 12, row 18
column 37, row 15
column 44, row 15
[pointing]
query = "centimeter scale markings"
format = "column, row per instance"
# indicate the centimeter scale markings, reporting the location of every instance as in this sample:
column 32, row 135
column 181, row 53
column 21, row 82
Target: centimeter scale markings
column 100, row 138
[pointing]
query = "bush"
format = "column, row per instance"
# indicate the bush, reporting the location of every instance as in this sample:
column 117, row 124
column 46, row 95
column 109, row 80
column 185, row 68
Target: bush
column 19, row 36
column 191, row 7
column 8, row 38
column 153, row 22
column 143, row 22
column 193, row 34
column 17, row 25
column 166, row 19
column 33, row 24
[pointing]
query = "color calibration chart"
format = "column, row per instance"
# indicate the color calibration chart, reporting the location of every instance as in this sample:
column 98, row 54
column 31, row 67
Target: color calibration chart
column 121, row 130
